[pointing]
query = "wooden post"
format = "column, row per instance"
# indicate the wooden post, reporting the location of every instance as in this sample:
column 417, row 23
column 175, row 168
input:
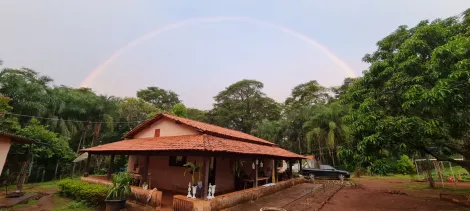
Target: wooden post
column 273, row 179
column 300, row 166
column 205, row 184
column 110, row 167
column 145, row 171
column 56, row 169
column 256, row 174
column 290, row 169
column 87, row 167
column 277, row 173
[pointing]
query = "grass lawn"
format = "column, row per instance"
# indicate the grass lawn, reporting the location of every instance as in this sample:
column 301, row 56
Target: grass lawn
column 59, row 203
column 65, row 204
column 30, row 203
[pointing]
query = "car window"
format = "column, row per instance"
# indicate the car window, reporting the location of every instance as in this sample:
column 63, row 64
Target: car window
column 326, row 167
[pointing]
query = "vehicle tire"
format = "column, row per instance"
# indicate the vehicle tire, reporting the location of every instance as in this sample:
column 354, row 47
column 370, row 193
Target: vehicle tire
column 311, row 176
column 341, row 176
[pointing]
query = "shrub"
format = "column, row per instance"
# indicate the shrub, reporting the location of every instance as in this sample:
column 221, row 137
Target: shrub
column 381, row 167
column 91, row 194
column 405, row 165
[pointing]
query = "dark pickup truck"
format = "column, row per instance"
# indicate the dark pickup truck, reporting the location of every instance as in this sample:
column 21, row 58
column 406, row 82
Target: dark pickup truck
column 325, row 171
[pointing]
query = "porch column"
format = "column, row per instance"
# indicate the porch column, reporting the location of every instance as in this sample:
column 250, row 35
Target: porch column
column 290, row 169
column 277, row 173
column 300, row 166
column 87, row 166
column 274, row 170
column 145, row 171
column 205, row 185
column 110, row 167
column 256, row 173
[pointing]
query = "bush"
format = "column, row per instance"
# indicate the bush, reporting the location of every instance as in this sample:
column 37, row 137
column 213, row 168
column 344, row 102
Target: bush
column 405, row 165
column 382, row 167
column 91, row 194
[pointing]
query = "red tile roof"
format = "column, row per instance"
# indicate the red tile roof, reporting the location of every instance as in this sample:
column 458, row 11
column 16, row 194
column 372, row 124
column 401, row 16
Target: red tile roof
column 201, row 126
column 205, row 143
column 17, row 138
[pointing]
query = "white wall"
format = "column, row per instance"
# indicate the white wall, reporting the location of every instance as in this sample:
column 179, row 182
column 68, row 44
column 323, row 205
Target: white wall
column 167, row 128
column 5, row 144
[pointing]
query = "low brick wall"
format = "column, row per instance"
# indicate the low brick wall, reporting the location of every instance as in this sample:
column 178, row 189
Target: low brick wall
column 243, row 196
column 182, row 203
column 138, row 193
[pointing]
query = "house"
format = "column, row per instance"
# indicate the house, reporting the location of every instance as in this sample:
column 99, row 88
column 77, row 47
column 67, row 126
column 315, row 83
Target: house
column 6, row 139
column 159, row 147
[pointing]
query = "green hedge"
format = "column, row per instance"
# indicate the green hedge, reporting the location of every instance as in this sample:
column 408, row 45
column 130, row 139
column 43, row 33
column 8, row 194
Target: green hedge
column 91, row 194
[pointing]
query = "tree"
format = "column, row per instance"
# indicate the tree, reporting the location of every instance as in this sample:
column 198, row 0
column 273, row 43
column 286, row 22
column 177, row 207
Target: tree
column 308, row 93
column 53, row 146
column 341, row 90
column 28, row 91
column 179, row 110
column 160, row 98
column 241, row 105
column 326, row 129
column 415, row 95
column 133, row 111
column 269, row 130
column 196, row 114
column 7, row 123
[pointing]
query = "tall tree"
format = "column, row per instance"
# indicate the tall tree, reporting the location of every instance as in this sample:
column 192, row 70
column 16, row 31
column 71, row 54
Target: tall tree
column 308, row 93
column 160, row 98
column 179, row 110
column 241, row 105
column 196, row 114
column 415, row 94
column 7, row 123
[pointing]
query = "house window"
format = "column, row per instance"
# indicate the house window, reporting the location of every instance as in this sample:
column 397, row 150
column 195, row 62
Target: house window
column 157, row 133
column 177, row 160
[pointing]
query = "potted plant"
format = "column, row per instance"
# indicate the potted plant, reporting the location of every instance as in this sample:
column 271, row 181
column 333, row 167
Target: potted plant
column 192, row 168
column 118, row 192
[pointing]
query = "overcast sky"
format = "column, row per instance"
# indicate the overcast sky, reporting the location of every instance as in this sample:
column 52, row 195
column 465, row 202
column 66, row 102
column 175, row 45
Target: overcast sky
column 67, row 40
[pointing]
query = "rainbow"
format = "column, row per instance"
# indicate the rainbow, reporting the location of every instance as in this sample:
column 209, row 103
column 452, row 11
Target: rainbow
column 343, row 65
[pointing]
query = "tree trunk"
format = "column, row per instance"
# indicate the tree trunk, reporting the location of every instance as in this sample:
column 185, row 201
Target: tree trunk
column 428, row 173
column 56, row 168
column 320, row 151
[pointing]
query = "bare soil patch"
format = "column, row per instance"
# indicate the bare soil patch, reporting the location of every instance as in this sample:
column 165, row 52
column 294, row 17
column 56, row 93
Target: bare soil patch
column 389, row 194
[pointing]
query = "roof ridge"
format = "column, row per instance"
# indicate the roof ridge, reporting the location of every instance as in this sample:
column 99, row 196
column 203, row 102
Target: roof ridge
column 254, row 138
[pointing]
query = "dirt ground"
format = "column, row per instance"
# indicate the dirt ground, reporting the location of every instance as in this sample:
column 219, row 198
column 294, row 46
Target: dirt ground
column 392, row 194
column 371, row 194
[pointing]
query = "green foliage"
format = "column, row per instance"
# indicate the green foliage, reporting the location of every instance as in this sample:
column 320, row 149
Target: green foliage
column 241, row 105
column 8, row 124
column 307, row 94
column 160, row 98
column 120, row 189
column 196, row 114
column 382, row 166
column 405, row 165
column 73, row 206
column 193, row 168
column 414, row 97
column 179, row 110
column 91, row 194
column 54, row 147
